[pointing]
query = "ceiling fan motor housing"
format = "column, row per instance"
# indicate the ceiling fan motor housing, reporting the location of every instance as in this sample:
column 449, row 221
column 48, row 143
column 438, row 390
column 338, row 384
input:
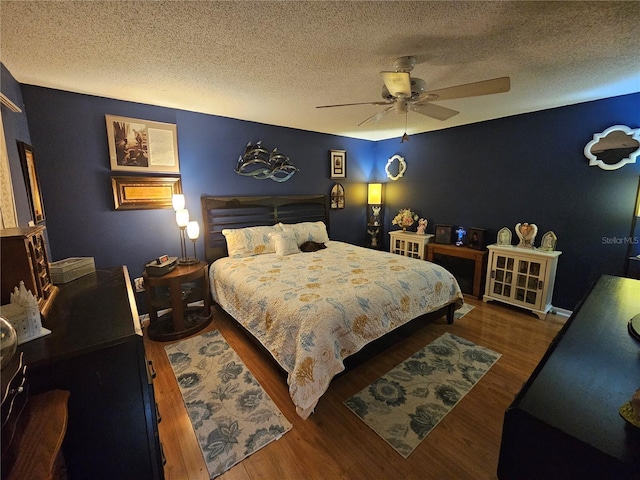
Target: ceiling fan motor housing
column 417, row 87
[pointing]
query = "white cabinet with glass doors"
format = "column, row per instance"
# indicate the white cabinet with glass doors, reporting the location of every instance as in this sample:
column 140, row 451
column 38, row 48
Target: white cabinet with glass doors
column 521, row 277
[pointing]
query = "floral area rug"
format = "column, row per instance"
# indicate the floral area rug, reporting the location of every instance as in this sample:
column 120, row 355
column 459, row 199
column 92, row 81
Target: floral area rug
column 231, row 413
column 407, row 403
column 462, row 311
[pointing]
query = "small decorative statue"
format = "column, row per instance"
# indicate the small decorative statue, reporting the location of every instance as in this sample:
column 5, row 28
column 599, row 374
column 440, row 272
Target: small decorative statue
column 422, row 226
column 526, row 233
column 504, row 236
column 375, row 214
column 461, row 232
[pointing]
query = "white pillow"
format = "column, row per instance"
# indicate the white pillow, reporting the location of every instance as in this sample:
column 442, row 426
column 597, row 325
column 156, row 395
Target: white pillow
column 308, row 231
column 285, row 243
column 249, row 241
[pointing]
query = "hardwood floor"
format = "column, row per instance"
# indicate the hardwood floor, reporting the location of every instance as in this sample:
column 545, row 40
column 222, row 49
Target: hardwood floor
column 334, row 444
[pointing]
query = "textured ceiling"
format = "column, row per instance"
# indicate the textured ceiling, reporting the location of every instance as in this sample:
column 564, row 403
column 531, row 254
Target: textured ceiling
column 273, row 62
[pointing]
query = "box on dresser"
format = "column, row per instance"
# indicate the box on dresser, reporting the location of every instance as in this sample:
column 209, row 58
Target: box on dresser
column 64, row 271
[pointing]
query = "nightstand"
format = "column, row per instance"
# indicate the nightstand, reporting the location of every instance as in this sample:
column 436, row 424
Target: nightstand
column 175, row 291
column 409, row 244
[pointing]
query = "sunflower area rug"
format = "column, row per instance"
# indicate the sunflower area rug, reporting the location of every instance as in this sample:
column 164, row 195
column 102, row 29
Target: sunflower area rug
column 231, row 413
column 406, row 403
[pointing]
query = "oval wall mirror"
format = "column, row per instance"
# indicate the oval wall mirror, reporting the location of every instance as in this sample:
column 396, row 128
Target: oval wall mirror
column 613, row 148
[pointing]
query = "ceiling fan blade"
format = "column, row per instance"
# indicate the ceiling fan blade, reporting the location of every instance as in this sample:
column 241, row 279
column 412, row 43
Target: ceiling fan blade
column 377, row 116
column 485, row 87
column 434, row 111
column 350, row 104
column 398, row 83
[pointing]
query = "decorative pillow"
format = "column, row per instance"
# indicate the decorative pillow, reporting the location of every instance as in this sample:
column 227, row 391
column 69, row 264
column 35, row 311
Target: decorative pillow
column 285, row 243
column 246, row 242
column 308, row 231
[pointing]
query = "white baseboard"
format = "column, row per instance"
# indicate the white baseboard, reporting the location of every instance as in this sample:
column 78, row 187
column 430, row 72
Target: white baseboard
column 560, row 311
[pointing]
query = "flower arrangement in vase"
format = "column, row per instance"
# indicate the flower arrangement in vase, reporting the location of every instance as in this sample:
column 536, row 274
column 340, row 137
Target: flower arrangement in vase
column 405, row 218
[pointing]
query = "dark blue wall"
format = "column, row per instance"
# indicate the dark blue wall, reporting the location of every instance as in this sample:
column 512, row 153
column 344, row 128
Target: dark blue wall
column 526, row 168
column 69, row 134
column 16, row 128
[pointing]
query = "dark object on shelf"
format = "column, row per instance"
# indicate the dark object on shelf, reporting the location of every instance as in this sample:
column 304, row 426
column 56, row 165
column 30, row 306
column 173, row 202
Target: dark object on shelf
column 565, row 422
column 374, row 237
column 444, row 234
column 476, row 238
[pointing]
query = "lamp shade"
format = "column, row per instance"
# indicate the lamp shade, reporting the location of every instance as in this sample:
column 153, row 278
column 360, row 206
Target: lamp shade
column 182, row 217
column 374, row 195
column 177, row 201
column 193, row 230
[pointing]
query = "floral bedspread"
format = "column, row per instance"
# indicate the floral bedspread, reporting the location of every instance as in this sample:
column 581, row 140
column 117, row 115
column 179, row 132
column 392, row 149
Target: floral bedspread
column 312, row 310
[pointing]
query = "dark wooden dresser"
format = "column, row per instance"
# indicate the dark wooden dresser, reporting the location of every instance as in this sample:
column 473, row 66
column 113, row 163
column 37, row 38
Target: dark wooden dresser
column 96, row 352
column 564, row 423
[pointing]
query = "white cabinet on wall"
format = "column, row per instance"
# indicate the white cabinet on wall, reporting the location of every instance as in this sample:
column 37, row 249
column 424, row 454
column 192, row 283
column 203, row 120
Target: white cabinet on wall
column 521, row 277
column 409, row 244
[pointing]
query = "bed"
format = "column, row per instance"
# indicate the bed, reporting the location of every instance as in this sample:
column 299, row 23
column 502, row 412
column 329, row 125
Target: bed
column 313, row 311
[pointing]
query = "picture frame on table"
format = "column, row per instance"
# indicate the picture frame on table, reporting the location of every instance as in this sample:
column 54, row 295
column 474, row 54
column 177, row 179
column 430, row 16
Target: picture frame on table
column 32, row 183
column 444, row 234
column 142, row 146
column 476, row 238
column 144, row 193
column 338, row 163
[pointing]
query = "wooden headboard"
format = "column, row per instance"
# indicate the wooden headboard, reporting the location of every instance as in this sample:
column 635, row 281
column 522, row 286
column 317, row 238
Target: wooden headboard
column 239, row 212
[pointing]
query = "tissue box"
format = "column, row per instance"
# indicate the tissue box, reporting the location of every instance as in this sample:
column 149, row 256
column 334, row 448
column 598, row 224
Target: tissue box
column 71, row 268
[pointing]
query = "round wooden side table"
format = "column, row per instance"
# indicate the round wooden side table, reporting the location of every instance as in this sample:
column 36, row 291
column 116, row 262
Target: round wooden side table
column 175, row 290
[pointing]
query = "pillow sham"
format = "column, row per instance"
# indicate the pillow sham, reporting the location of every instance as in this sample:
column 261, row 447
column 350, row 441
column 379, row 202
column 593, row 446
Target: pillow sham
column 308, row 231
column 249, row 241
column 285, row 243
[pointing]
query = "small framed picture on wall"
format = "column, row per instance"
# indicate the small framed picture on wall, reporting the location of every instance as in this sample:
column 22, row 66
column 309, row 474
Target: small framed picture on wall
column 338, row 163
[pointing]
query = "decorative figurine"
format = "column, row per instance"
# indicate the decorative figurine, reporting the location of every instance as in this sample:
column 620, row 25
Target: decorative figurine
column 422, row 226
column 461, row 232
column 548, row 243
column 504, row 236
column 526, row 233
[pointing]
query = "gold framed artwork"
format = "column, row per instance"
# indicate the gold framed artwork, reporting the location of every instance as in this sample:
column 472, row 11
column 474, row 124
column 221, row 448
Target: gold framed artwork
column 338, row 163
column 141, row 193
column 31, row 181
column 142, row 146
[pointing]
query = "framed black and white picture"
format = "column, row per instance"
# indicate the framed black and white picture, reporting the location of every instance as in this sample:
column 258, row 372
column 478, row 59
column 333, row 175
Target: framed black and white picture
column 142, row 146
column 338, row 163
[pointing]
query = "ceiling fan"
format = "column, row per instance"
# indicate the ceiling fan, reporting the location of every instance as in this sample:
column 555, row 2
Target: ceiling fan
column 404, row 93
